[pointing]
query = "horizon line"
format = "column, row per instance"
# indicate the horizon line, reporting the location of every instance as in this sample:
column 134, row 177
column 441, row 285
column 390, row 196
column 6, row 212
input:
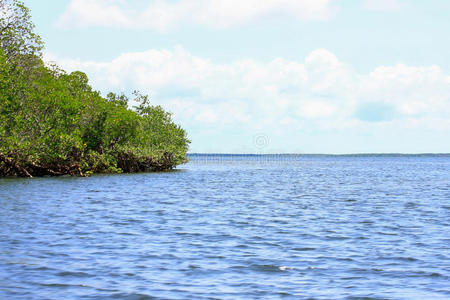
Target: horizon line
column 327, row 154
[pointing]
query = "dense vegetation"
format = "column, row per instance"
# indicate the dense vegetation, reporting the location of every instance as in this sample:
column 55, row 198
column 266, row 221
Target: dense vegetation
column 54, row 123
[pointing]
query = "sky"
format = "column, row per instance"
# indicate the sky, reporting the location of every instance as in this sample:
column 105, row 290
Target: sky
column 269, row 76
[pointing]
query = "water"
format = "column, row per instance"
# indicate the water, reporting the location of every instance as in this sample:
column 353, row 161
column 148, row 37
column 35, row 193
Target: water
column 222, row 227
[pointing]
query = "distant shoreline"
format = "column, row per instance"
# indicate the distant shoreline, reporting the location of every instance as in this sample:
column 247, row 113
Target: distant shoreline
column 312, row 154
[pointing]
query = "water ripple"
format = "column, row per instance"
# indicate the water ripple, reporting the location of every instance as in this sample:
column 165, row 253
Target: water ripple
column 300, row 228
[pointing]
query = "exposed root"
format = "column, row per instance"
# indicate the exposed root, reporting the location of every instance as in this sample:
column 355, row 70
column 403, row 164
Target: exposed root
column 15, row 165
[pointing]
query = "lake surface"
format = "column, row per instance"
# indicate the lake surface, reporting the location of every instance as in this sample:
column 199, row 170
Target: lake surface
column 233, row 227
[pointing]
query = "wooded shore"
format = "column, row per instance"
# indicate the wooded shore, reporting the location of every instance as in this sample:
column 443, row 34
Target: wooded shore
column 54, row 123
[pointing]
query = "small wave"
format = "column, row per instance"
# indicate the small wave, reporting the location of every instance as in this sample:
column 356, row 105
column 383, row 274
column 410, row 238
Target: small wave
column 42, row 268
column 269, row 268
column 336, row 238
column 364, row 298
column 400, row 258
column 429, row 274
column 262, row 268
column 304, row 249
column 125, row 296
column 352, row 278
column 64, row 285
column 73, row 274
column 386, row 233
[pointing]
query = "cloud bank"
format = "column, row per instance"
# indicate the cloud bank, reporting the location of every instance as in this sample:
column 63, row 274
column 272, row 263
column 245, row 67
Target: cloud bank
column 163, row 15
column 286, row 99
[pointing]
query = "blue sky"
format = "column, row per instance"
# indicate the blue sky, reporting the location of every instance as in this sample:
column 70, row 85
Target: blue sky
column 272, row 76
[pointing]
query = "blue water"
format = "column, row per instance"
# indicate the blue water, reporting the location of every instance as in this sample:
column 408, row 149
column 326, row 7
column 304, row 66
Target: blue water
column 233, row 227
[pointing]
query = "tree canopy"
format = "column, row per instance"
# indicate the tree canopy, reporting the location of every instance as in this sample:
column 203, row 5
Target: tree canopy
column 55, row 123
column 17, row 37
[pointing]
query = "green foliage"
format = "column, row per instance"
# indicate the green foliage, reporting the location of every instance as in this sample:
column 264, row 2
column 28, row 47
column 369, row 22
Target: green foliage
column 54, row 123
column 158, row 133
column 17, row 39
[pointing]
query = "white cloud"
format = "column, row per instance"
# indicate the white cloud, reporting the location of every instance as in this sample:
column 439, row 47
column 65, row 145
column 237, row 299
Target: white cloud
column 413, row 90
column 163, row 14
column 317, row 109
column 280, row 97
column 382, row 5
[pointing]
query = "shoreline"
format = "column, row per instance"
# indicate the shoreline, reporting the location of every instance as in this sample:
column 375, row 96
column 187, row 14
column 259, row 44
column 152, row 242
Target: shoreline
column 315, row 154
